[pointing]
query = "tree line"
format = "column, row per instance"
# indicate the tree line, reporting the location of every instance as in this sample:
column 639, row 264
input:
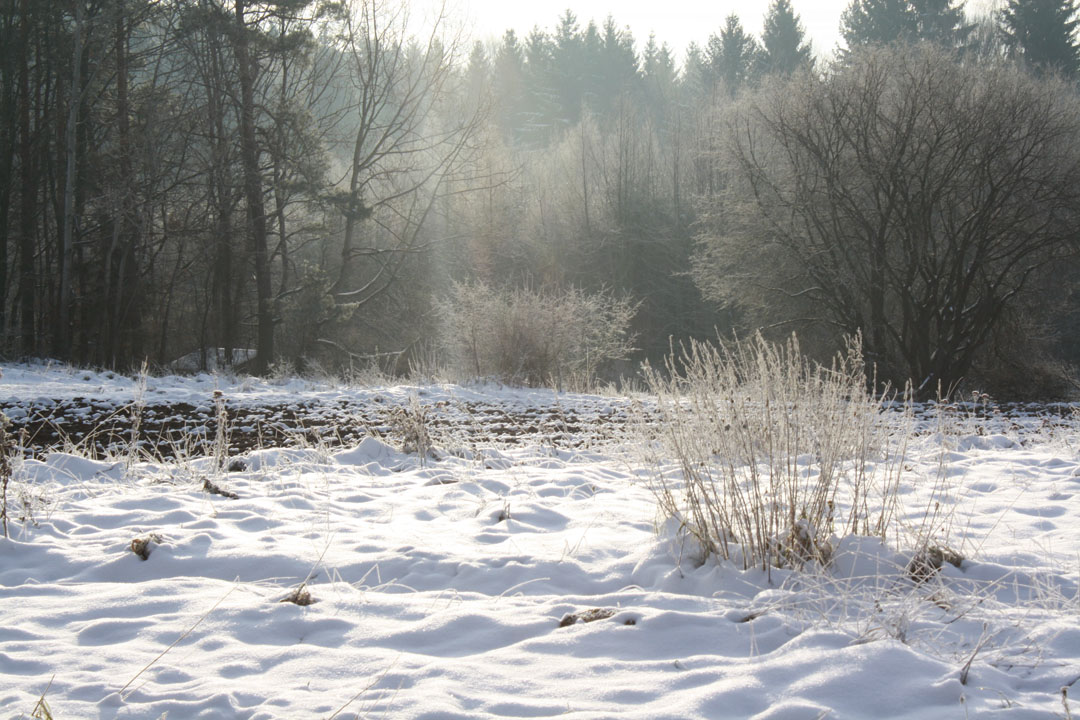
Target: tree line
column 312, row 180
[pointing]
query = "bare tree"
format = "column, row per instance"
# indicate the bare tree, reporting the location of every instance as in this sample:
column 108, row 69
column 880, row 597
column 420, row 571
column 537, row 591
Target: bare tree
column 405, row 153
column 904, row 194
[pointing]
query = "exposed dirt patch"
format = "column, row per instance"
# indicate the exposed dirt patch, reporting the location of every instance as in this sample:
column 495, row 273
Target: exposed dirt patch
column 586, row 616
column 99, row 428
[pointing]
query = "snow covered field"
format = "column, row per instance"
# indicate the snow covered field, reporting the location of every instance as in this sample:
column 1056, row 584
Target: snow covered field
column 531, row 580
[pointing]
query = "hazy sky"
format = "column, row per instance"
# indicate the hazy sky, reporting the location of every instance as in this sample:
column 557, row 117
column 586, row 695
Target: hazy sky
column 677, row 22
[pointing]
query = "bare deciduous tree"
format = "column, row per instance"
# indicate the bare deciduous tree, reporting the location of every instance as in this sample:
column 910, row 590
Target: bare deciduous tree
column 404, row 151
column 905, row 194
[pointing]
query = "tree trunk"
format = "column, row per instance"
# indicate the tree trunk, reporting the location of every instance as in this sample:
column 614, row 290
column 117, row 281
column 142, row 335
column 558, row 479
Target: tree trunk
column 222, row 286
column 123, row 305
column 8, row 126
column 264, row 348
column 28, row 208
column 67, row 241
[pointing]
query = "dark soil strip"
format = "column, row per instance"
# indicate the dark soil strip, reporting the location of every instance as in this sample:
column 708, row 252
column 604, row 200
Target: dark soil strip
column 98, row 428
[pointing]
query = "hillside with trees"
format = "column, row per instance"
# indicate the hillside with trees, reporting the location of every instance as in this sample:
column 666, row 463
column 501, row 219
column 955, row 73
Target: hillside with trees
column 317, row 181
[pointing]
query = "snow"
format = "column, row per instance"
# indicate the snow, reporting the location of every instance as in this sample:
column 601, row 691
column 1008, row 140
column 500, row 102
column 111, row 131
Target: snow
column 441, row 585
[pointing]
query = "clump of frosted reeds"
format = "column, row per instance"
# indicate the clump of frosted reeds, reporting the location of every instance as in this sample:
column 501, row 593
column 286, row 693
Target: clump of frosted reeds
column 777, row 453
column 412, row 423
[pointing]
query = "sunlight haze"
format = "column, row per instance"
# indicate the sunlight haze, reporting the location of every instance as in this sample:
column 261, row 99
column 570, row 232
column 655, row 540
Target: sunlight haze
column 678, row 22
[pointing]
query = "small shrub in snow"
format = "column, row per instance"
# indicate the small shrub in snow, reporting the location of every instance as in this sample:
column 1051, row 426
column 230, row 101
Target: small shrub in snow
column 6, row 450
column 534, row 337
column 777, row 453
column 221, row 435
column 412, row 424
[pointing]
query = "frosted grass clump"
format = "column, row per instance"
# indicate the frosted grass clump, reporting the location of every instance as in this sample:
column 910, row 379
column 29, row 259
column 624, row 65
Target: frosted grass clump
column 777, row 453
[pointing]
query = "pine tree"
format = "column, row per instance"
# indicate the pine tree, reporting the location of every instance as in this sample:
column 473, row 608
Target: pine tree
column 618, row 65
column 568, row 67
column 510, row 50
column 478, row 73
column 733, row 56
column 510, row 84
column 659, row 77
column 877, row 22
column 783, row 37
column 941, row 22
column 541, row 104
column 592, row 59
column 479, row 67
column 880, row 22
column 658, row 64
column 1043, row 34
column 696, row 74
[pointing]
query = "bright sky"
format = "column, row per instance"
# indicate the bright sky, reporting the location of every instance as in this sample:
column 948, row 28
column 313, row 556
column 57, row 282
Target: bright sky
column 676, row 22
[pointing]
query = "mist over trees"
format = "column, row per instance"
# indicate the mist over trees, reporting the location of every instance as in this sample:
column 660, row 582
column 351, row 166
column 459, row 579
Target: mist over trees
column 324, row 182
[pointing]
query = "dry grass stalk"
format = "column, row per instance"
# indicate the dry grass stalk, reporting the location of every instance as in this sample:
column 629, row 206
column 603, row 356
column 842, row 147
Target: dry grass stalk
column 41, row 710
column 7, row 448
column 175, row 642
column 221, row 438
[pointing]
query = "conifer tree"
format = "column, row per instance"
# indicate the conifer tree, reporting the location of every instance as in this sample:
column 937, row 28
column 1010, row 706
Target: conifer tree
column 733, row 56
column 541, row 97
column 880, row 22
column 696, row 74
column 658, row 65
column 877, row 22
column 1043, row 34
column 510, row 84
column 784, row 40
column 592, row 60
column 941, row 22
column 659, row 79
column 569, row 68
column 620, row 62
column 478, row 73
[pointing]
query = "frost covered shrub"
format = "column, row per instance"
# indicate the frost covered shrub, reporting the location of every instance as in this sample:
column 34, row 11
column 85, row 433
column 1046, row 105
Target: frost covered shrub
column 777, row 453
column 533, row 337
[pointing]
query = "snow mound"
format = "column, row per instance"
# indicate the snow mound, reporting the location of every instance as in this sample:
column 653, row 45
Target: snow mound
column 68, row 469
column 372, row 454
column 277, row 458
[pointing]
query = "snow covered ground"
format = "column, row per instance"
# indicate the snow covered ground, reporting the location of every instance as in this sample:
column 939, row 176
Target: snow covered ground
column 531, row 580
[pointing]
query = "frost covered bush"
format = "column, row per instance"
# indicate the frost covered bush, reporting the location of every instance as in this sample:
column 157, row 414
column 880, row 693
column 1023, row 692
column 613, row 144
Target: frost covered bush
column 534, row 337
column 778, row 454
